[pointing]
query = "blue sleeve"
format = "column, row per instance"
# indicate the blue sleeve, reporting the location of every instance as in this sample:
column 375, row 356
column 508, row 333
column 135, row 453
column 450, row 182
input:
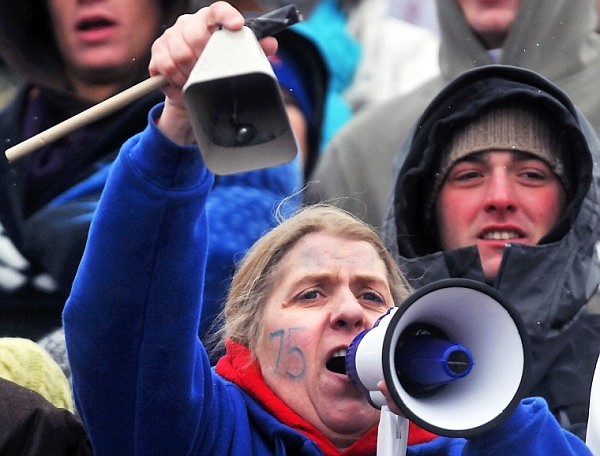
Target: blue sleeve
column 140, row 373
column 530, row 431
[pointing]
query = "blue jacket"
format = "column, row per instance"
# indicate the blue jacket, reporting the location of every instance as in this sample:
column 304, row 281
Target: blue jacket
column 143, row 382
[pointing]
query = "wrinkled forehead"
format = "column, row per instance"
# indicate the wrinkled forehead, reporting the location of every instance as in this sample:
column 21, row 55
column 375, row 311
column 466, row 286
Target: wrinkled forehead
column 322, row 250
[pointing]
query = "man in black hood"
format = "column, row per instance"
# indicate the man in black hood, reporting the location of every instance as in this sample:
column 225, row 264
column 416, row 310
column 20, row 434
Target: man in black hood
column 499, row 183
column 67, row 56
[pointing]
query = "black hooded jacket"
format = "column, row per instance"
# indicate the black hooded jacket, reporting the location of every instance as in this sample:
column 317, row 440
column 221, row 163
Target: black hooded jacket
column 549, row 284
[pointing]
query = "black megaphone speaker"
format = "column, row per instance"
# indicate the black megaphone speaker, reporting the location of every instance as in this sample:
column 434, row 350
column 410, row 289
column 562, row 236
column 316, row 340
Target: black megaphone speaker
column 454, row 356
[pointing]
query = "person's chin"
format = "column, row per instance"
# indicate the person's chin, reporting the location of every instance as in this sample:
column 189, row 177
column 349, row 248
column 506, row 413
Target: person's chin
column 490, row 271
column 351, row 419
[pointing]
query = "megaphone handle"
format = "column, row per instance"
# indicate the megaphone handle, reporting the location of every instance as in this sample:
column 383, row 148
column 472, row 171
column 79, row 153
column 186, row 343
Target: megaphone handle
column 88, row 116
column 392, row 433
column 592, row 438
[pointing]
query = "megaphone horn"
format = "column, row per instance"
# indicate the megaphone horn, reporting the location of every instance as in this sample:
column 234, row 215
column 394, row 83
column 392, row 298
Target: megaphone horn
column 454, row 356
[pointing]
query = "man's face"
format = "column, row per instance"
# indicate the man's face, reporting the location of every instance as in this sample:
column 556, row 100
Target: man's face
column 327, row 291
column 100, row 39
column 490, row 19
column 494, row 198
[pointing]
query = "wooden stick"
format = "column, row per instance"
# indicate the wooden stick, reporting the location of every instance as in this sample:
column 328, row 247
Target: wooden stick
column 102, row 109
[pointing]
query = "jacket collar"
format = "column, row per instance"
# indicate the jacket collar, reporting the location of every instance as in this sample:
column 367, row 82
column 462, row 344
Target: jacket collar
column 241, row 368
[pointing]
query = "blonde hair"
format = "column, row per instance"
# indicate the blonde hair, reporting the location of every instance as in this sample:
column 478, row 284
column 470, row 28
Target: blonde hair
column 255, row 276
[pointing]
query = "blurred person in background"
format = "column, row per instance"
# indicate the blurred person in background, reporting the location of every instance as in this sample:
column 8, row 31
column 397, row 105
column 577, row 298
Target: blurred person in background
column 66, row 55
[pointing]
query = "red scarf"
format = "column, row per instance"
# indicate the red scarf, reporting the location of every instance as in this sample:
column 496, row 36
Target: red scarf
column 237, row 367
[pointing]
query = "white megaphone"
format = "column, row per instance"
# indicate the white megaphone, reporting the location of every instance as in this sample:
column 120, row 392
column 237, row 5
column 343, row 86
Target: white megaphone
column 235, row 105
column 454, row 357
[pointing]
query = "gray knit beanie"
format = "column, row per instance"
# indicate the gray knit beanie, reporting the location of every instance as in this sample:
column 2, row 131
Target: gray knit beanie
column 509, row 127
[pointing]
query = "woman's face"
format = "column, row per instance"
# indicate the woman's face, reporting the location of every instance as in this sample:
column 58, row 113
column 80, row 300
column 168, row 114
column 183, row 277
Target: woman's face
column 328, row 289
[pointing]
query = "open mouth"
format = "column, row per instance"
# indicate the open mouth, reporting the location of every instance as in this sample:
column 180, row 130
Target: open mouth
column 93, row 24
column 337, row 362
